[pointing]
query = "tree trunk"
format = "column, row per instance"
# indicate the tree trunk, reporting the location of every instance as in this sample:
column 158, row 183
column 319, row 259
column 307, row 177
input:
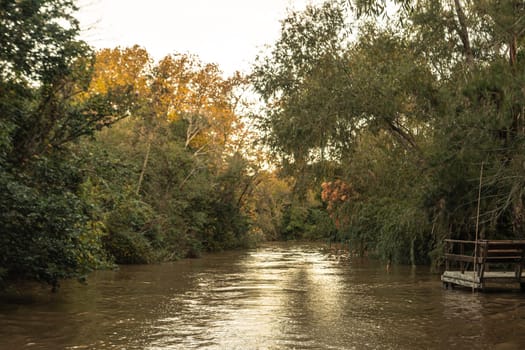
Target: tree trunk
column 462, row 30
column 144, row 166
column 513, row 50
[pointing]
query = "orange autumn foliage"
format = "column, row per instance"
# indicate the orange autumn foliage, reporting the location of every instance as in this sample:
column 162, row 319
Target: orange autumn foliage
column 177, row 88
column 335, row 193
column 121, row 69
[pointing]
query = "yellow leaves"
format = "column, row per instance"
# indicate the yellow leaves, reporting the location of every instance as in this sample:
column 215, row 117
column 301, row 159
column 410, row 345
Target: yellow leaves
column 178, row 88
column 185, row 89
column 171, row 86
column 121, row 69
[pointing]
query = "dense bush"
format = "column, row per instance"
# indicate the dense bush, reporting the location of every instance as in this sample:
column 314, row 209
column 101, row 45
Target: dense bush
column 42, row 224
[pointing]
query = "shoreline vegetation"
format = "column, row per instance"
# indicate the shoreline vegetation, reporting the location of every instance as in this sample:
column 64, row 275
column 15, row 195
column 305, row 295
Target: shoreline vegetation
column 370, row 125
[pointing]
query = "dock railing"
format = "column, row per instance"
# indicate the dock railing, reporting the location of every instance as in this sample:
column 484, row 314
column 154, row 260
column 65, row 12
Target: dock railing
column 471, row 261
column 462, row 255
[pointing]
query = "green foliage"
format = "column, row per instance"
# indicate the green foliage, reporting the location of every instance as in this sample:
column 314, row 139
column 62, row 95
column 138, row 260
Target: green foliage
column 267, row 205
column 42, row 220
column 306, row 220
column 294, row 81
column 129, row 248
column 230, row 225
column 402, row 119
column 47, row 232
column 294, row 222
column 37, row 39
column 185, row 205
column 319, row 225
column 131, row 233
column 408, row 113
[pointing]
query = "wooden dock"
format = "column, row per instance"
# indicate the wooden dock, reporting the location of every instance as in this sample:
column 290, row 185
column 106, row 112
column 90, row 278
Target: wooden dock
column 476, row 264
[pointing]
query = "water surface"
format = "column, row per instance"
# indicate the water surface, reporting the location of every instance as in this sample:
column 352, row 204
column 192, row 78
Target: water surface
column 279, row 296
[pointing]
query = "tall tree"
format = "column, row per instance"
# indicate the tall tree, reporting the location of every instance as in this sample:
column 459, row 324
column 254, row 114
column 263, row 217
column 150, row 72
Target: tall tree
column 432, row 93
column 44, row 73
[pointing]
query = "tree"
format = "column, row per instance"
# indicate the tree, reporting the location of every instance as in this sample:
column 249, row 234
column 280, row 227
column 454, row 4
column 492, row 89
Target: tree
column 38, row 39
column 175, row 151
column 428, row 95
column 45, row 72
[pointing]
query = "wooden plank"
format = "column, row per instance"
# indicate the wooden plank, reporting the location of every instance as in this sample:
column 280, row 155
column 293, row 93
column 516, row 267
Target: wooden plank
column 503, row 241
column 471, row 280
column 507, row 244
column 508, row 252
column 504, row 251
column 458, row 257
column 503, row 259
column 460, row 241
column 467, row 275
column 467, row 279
column 502, row 277
column 506, row 247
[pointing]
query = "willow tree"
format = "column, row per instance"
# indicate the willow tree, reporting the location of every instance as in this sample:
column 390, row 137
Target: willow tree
column 474, row 48
column 341, row 90
column 436, row 88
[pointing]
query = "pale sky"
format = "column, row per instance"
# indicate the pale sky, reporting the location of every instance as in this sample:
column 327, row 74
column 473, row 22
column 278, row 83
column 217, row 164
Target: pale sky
column 229, row 33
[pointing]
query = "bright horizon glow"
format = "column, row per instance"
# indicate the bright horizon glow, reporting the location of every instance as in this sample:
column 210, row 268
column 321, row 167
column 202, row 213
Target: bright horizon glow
column 229, row 33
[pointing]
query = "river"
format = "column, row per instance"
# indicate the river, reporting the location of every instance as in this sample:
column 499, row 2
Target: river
column 278, row 296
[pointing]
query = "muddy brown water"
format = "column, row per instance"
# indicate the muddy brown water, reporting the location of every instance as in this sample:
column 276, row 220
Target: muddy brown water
column 278, row 296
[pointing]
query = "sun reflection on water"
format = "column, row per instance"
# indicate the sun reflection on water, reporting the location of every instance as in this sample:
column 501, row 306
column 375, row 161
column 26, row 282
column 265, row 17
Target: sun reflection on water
column 274, row 299
column 280, row 296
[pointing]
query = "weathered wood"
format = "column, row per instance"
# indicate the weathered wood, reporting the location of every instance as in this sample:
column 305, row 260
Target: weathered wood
column 506, row 255
column 504, row 251
column 465, row 279
column 503, row 259
column 459, row 241
column 472, row 280
column 459, row 257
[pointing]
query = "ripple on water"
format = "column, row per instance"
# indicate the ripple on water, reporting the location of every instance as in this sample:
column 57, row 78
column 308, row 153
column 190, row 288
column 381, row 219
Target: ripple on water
column 274, row 297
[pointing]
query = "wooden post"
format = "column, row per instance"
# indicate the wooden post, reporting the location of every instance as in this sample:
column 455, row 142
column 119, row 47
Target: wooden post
column 447, row 249
column 462, row 252
column 477, row 224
